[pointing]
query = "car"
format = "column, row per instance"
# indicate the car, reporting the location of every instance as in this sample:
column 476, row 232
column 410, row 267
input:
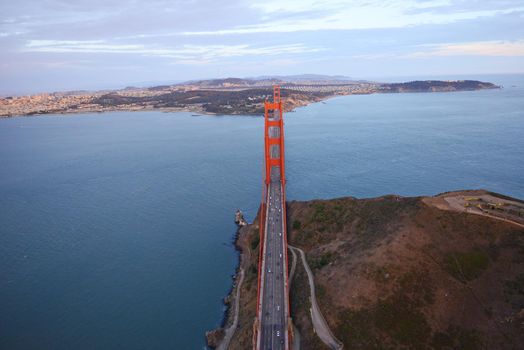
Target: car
column 278, row 307
column 278, row 333
column 280, row 255
column 269, row 270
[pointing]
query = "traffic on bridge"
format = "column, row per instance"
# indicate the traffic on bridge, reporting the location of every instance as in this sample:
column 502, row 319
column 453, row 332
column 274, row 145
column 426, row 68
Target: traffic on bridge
column 272, row 327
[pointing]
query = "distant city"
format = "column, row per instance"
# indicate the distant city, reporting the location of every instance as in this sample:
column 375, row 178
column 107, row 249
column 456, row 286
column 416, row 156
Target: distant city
column 218, row 96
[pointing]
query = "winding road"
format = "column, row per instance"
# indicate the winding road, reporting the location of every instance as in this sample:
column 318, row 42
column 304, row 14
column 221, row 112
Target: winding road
column 319, row 322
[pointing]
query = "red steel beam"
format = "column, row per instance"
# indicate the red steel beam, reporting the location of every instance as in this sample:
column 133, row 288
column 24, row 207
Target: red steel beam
column 276, row 105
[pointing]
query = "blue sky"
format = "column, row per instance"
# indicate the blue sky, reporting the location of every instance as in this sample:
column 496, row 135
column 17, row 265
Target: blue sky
column 76, row 44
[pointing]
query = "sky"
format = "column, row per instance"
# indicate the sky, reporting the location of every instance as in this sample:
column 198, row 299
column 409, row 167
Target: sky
column 52, row 45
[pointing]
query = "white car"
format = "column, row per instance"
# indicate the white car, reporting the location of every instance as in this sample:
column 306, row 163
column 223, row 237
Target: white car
column 278, row 333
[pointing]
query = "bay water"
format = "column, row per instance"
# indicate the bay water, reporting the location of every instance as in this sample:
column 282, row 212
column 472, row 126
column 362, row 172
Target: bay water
column 116, row 229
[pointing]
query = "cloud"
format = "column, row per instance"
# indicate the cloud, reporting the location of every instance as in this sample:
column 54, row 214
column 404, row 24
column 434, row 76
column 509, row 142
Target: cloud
column 300, row 6
column 479, row 48
column 186, row 53
column 8, row 34
column 494, row 48
column 308, row 15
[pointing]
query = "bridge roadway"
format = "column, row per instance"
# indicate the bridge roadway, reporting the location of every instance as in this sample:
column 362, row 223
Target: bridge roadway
column 273, row 330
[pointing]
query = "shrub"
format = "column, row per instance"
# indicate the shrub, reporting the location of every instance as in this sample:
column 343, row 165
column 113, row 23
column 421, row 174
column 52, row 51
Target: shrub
column 466, row 266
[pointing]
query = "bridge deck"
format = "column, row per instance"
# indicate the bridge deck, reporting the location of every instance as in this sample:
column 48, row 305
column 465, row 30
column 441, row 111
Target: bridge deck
column 273, row 330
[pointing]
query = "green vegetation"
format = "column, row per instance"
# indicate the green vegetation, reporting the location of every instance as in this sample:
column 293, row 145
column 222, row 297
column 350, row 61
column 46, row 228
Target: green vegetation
column 329, row 216
column 402, row 325
column 436, row 85
column 418, row 287
column 366, row 218
column 297, row 224
column 251, row 276
column 299, row 293
column 300, row 305
column 356, row 330
column 380, row 274
column 375, row 215
column 320, row 262
column 514, row 292
column 398, row 318
column 319, row 213
column 255, row 240
column 466, row 266
column 398, row 255
column 320, row 291
column 320, row 220
column 457, row 338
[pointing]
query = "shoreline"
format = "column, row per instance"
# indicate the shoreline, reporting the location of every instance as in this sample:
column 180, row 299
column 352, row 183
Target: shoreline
column 215, row 338
column 97, row 111
column 198, row 108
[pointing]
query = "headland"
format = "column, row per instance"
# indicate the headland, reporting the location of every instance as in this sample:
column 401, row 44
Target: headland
column 442, row 272
column 232, row 96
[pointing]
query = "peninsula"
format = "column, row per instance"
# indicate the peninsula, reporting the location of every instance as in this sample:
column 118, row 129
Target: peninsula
column 231, row 96
column 442, row 272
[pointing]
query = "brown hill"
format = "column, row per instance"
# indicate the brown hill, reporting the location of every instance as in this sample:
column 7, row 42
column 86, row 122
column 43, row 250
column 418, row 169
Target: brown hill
column 444, row 272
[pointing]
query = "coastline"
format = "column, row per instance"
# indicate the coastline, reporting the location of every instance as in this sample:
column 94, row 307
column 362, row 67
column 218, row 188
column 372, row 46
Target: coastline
column 197, row 109
column 112, row 110
column 220, row 337
column 295, row 99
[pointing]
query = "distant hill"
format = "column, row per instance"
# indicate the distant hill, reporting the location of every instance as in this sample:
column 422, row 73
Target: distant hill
column 269, row 79
column 304, row 77
column 437, row 86
column 222, row 82
column 221, row 96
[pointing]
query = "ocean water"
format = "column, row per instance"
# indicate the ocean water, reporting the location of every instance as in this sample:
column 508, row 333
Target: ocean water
column 116, row 229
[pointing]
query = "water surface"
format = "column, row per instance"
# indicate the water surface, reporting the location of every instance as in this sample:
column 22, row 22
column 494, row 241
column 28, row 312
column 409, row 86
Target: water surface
column 116, row 229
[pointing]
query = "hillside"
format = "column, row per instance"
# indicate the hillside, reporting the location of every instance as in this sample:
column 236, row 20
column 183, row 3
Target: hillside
column 444, row 272
column 437, row 86
column 231, row 96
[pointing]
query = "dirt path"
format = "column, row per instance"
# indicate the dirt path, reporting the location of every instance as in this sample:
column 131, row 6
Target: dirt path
column 319, row 322
column 293, row 264
column 493, row 217
column 461, row 201
column 230, row 331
